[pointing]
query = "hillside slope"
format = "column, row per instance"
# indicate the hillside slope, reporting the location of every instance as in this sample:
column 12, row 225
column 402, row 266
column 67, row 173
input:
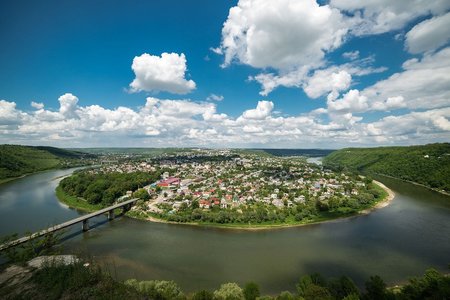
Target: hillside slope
column 426, row 164
column 16, row 160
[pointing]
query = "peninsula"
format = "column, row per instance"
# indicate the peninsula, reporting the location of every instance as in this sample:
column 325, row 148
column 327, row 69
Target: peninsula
column 225, row 188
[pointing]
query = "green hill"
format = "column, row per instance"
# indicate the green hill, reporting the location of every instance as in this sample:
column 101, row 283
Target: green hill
column 426, row 164
column 16, row 160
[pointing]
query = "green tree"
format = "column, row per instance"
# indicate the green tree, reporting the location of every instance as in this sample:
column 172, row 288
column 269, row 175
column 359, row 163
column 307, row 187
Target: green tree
column 285, row 296
column 313, row 287
column 432, row 285
column 342, row 287
column 251, row 291
column 229, row 291
column 375, row 288
column 142, row 194
column 195, row 204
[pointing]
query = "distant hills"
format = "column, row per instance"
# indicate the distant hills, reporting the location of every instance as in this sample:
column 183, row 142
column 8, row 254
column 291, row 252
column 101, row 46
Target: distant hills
column 16, row 160
column 298, row 152
column 426, row 164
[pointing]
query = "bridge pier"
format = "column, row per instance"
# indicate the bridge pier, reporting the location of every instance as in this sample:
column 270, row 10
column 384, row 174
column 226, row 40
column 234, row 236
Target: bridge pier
column 85, row 225
column 111, row 215
column 126, row 208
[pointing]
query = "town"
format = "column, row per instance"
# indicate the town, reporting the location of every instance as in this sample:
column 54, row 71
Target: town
column 226, row 186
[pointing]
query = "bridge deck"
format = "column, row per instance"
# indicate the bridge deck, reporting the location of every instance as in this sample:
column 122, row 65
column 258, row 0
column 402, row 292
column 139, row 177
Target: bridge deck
column 65, row 224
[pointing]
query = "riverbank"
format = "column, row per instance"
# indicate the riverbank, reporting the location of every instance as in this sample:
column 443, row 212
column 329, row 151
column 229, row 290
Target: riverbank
column 416, row 183
column 382, row 203
column 9, row 179
column 5, row 180
column 75, row 202
column 390, row 195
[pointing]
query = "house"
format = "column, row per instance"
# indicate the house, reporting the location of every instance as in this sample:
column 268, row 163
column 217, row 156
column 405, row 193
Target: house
column 169, row 182
column 215, row 201
column 278, row 203
column 204, row 203
column 223, row 203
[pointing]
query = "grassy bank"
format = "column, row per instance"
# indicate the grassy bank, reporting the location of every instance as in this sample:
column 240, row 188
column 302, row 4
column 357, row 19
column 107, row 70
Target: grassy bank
column 81, row 204
column 76, row 202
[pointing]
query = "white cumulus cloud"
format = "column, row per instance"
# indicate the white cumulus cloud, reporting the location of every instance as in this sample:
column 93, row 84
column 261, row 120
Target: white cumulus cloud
column 328, row 80
column 429, row 34
column 262, row 111
column 290, row 39
column 68, row 105
column 167, row 122
column 161, row 73
column 37, row 105
column 280, row 34
column 424, row 83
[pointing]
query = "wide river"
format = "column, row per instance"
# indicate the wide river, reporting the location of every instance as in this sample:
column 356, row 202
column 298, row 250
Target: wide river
column 396, row 242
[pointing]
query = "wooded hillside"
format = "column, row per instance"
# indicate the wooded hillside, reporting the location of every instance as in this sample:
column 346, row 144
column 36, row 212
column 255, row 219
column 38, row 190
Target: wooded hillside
column 426, row 164
column 16, row 160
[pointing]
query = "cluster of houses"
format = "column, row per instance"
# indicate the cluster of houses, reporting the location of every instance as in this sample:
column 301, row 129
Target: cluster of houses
column 128, row 167
column 245, row 180
column 226, row 179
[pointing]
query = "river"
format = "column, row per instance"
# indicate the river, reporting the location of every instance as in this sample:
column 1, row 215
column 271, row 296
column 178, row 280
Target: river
column 396, row 242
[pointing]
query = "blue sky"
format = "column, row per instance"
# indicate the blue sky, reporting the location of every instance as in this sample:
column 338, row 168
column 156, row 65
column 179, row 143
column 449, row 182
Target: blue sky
column 249, row 73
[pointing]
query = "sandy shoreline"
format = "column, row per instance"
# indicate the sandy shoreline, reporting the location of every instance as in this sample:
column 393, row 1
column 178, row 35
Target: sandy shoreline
column 385, row 202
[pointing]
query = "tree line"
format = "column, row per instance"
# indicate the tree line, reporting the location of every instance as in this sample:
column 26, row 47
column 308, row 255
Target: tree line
column 105, row 188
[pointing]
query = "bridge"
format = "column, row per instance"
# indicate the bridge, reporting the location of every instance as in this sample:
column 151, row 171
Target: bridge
column 126, row 205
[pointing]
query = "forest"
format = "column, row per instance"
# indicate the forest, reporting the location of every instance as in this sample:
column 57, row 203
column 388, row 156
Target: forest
column 426, row 164
column 105, row 188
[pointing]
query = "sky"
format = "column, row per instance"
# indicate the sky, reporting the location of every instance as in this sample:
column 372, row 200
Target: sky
column 248, row 73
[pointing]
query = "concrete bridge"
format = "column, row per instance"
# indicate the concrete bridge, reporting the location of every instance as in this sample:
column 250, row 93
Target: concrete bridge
column 126, row 205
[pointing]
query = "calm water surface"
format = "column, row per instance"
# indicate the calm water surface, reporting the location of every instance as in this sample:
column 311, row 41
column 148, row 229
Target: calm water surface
column 395, row 242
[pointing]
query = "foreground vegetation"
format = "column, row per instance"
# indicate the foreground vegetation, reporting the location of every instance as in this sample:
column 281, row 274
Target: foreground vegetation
column 16, row 160
column 428, row 165
column 86, row 280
